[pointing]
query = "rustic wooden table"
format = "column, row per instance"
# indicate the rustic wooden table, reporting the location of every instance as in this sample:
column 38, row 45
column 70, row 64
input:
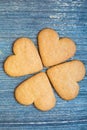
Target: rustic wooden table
column 26, row 18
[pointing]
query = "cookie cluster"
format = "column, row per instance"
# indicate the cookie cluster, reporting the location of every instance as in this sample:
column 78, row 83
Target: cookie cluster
column 53, row 52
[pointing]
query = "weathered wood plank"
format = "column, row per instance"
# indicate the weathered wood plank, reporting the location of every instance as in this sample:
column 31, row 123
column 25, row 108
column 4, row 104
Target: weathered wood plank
column 26, row 18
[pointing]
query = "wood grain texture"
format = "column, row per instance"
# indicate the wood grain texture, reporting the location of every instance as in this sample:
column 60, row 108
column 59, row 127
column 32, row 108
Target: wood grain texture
column 26, row 18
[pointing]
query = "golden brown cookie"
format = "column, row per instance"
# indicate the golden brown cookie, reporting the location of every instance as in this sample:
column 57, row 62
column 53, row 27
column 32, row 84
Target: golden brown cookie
column 25, row 59
column 54, row 50
column 64, row 78
column 36, row 90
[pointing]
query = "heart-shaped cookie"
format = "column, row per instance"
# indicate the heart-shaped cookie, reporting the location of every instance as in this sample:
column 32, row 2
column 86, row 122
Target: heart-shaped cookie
column 25, row 60
column 54, row 50
column 36, row 90
column 64, row 78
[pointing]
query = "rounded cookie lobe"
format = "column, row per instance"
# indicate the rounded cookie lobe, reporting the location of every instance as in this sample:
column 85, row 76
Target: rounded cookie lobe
column 24, row 95
column 64, row 78
column 45, row 103
column 67, row 49
column 46, row 100
column 67, row 90
column 25, row 60
column 54, row 50
column 74, row 69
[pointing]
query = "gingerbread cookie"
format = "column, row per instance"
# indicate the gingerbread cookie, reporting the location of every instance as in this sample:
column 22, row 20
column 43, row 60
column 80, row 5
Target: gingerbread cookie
column 64, row 78
column 25, row 60
column 54, row 50
column 36, row 90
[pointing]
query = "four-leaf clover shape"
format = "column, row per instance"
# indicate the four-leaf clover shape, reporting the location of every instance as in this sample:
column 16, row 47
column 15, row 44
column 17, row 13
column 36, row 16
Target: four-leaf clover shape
column 54, row 51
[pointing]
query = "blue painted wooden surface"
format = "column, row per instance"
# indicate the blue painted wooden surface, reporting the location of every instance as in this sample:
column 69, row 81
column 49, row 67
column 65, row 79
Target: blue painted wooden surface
column 25, row 18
